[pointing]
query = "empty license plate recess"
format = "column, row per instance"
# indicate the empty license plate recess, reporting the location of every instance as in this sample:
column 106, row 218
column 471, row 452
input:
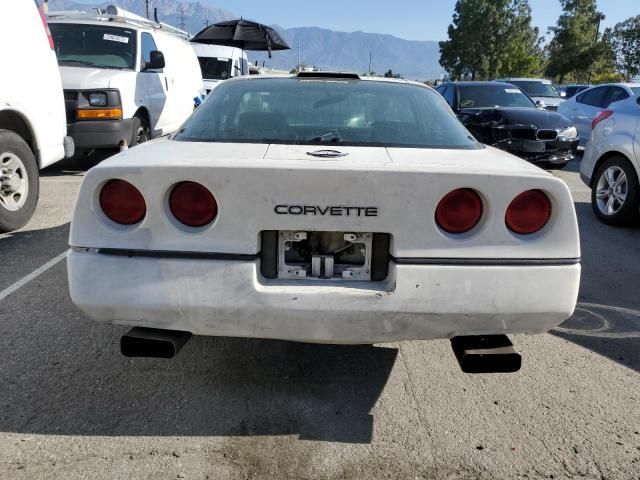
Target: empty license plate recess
column 346, row 256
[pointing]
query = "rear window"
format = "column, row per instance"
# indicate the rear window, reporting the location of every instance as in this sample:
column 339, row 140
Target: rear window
column 535, row 88
column 94, row 46
column 312, row 111
column 215, row 68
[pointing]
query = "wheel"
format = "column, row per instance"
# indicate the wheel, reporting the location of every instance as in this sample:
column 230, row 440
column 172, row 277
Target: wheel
column 140, row 131
column 614, row 195
column 19, row 185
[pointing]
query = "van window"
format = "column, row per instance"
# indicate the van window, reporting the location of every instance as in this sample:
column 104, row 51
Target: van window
column 448, row 94
column 147, row 45
column 215, row 68
column 94, row 46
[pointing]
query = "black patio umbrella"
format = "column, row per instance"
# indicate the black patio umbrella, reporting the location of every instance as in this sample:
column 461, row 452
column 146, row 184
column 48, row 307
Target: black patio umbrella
column 244, row 34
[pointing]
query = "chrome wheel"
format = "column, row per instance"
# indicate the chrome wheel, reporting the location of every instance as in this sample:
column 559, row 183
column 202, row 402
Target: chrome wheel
column 14, row 183
column 611, row 191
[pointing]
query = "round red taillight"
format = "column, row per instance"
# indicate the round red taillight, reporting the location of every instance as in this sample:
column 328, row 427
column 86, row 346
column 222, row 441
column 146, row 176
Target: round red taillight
column 528, row 212
column 192, row 204
column 122, row 203
column 459, row 211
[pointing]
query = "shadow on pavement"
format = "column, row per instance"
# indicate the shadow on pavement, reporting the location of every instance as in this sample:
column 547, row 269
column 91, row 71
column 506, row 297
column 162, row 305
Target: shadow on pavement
column 23, row 251
column 64, row 375
column 607, row 320
column 77, row 165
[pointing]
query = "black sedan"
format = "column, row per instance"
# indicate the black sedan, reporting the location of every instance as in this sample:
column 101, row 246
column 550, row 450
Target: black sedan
column 503, row 116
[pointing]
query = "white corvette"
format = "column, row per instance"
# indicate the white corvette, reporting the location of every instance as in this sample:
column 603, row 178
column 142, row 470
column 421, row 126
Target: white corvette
column 325, row 208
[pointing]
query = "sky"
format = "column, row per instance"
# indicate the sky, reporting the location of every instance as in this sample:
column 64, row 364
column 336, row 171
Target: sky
column 409, row 19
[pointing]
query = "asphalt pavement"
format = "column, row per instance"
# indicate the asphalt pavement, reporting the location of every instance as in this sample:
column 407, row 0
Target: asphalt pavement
column 71, row 407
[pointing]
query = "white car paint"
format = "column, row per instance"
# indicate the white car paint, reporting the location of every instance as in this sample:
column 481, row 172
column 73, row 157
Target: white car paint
column 167, row 95
column 237, row 57
column 455, row 293
column 39, row 103
column 582, row 113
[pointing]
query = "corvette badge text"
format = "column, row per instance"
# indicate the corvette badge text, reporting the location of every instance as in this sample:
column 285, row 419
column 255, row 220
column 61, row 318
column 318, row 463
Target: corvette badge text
column 333, row 211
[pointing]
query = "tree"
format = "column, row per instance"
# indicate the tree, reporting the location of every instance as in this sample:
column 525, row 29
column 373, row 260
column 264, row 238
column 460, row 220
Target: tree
column 389, row 74
column 491, row 38
column 575, row 49
column 625, row 45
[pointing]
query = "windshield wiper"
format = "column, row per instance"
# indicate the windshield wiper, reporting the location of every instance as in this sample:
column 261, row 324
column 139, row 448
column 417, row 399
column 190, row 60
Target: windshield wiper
column 90, row 64
column 331, row 136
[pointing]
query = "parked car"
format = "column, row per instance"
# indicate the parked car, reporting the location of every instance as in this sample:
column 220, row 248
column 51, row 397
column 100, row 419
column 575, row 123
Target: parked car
column 125, row 79
column 501, row 115
column 571, row 91
column 325, row 208
column 586, row 106
column 219, row 63
column 611, row 163
column 541, row 91
column 32, row 124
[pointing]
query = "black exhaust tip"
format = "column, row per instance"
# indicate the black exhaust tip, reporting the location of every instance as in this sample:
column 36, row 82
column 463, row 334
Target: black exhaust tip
column 486, row 354
column 153, row 342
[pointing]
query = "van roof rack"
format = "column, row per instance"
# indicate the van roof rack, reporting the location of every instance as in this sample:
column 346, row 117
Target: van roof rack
column 117, row 14
column 340, row 75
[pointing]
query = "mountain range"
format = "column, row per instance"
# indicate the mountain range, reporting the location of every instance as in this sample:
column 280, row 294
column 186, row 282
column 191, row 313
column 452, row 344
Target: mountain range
column 320, row 47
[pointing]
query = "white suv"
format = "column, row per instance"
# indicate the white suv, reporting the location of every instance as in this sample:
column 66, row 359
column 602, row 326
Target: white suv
column 126, row 79
column 32, row 120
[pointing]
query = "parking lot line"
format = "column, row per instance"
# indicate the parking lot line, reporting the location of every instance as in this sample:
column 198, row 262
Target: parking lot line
column 35, row 274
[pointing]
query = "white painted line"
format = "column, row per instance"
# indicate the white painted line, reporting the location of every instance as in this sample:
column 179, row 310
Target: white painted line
column 35, row 274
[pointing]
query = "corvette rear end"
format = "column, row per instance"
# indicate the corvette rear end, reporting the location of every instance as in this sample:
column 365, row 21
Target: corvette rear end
column 348, row 244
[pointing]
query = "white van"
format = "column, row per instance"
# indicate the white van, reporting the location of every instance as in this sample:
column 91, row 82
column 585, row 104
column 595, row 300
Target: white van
column 220, row 63
column 126, row 79
column 32, row 121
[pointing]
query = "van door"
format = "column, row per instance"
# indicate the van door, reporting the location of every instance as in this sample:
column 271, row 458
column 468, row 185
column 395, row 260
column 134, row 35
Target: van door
column 153, row 84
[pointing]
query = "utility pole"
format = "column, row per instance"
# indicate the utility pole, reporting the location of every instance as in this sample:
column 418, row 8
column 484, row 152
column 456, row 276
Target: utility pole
column 181, row 12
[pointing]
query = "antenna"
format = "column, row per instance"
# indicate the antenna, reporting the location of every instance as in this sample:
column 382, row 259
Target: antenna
column 146, row 8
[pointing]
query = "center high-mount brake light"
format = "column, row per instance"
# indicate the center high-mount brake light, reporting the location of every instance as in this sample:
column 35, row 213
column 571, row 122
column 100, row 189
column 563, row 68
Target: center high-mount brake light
column 459, row 211
column 528, row 212
column 122, row 203
column 192, row 204
column 603, row 115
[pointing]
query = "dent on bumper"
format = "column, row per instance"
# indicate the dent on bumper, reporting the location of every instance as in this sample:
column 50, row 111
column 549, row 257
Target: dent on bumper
column 228, row 298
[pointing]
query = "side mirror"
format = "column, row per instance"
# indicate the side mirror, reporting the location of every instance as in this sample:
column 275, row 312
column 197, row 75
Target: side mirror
column 156, row 61
column 540, row 104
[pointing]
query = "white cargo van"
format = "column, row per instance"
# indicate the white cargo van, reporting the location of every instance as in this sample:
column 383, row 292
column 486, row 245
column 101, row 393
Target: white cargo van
column 219, row 63
column 32, row 121
column 126, row 79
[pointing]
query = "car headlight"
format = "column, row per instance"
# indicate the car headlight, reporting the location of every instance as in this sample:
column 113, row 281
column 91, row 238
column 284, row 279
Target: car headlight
column 98, row 99
column 570, row 133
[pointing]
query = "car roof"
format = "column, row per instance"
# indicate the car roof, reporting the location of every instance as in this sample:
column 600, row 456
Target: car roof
column 326, row 77
column 522, row 79
column 90, row 21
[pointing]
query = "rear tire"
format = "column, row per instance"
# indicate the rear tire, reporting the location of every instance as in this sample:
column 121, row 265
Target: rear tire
column 141, row 133
column 19, row 184
column 615, row 194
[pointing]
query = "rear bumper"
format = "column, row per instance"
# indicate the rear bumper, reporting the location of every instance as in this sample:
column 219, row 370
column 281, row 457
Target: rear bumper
column 101, row 133
column 230, row 298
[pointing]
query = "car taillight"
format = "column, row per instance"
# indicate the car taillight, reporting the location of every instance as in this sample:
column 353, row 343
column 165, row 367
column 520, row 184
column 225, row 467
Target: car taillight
column 528, row 212
column 122, row 202
column 46, row 27
column 603, row 115
column 192, row 204
column 459, row 211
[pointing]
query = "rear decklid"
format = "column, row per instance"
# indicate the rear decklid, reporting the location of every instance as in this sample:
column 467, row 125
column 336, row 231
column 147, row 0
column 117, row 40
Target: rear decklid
column 392, row 191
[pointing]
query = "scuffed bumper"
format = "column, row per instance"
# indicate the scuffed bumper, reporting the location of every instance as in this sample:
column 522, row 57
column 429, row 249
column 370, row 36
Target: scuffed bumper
column 229, row 298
